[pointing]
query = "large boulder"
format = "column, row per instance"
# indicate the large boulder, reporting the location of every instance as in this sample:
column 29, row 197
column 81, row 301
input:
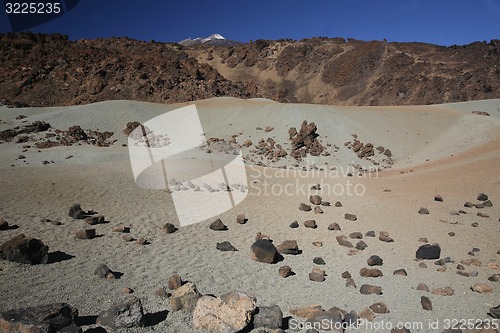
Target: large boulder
column 56, row 317
column 184, row 297
column 124, row 315
column 229, row 313
column 268, row 317
column 263, row 250
column 25, row 250
column 428, row 251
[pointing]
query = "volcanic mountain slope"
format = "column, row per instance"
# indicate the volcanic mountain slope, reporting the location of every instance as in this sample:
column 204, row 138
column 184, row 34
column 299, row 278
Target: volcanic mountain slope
column 47, row 70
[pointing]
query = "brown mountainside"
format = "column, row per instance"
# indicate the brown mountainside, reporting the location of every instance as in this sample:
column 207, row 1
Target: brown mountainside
column 47, row 70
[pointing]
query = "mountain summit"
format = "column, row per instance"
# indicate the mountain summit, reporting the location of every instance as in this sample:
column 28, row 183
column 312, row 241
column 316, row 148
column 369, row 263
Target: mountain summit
column 215, row 39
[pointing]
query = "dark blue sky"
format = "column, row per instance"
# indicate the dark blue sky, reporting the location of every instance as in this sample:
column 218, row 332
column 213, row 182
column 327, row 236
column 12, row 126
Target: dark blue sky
column 443, row 22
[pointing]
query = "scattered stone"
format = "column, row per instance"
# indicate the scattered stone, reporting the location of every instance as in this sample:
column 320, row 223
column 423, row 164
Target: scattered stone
column 482, row 197
column 102, row 271
column 317, row 275
column 317, row 243
column 494, row 278
column 379, row 307
column 225, row 247
column 475, row 224
column 350, row 217
column 451, row 234
column 76, row 212
column 3, row 224
column 338, row 204
column 306, row 311
column 370, row 233
column 326, row 321
column 487, row 203
column 367, row 289
column 128, row 238
column 241, row 219
column 438, row 198
column 316, row 187
column 479, row 205
column 356, row 235
column 142, row 241
column 325, row 203
column 315, row 199
column 217, row 225
column 454, row 213
column 161, row 292
column 401, row 272
column 428, row 251
column 231, row 312
column 422, row 286
column 342, row 240
column 310, row 224
column 294, row 224
column 125, row 315
column 127, row 290
column 350, row 283
column 318, row 261
column 495, row 312
column 169, row 228
column 481, row 288
column 56, row 317
column 93, row 220
column 285, row 271
column 184, row 297
column 367, row 314
column 370, row 272
column 447, row 291
column 422, row 265
column 264, row 251
column 423, row 240
column 85, row 234
column 481, row 214
column 334, row 226
column 120, row 228
column 174, row 282
column 288, row 247
column 268, row 317
column 468, row 204
column 361, row 245
column 462, row 212
column 304, row 207
column 426, row 303
column 318, row 210
column 423, row 210
column 374, row 261
column 386, row 239
column 268, row 129
column 24, row 250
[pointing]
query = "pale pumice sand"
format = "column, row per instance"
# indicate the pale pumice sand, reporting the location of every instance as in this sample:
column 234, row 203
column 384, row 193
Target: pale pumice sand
column 101, row 179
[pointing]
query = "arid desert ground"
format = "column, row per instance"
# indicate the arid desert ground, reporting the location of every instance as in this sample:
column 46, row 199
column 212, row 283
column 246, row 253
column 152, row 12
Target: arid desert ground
column 446, row 150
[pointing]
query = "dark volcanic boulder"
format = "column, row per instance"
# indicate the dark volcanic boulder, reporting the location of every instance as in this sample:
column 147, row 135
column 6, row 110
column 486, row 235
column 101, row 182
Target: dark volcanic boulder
column 24, row 250
column 264, row 251
column 125, row 315
column 57, row 317
column 428, row 251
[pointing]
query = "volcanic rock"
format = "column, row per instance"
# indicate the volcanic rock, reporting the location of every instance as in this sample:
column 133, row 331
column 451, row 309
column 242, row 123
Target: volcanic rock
column 124, row 315
column 56, row 318
column 184, row 297
column 428, row 251
column 264, row 251
column 310, row 224
column 367, row 289
column 268, row 317
column 24, row 250
column 426, row 303
column 225, row 247
column 217, row 225
column 231, row 312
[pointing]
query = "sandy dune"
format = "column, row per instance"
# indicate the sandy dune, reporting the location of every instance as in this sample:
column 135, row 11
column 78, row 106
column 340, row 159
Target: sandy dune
column 443, row 149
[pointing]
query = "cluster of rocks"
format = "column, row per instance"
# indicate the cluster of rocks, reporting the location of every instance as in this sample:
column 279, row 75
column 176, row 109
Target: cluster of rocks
column 177, row 186
column 367, row 150
column 268, row 149
column 305, row 141
column 55, row 137
column 221, row 146
column 145, row 137
column 230, row 312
